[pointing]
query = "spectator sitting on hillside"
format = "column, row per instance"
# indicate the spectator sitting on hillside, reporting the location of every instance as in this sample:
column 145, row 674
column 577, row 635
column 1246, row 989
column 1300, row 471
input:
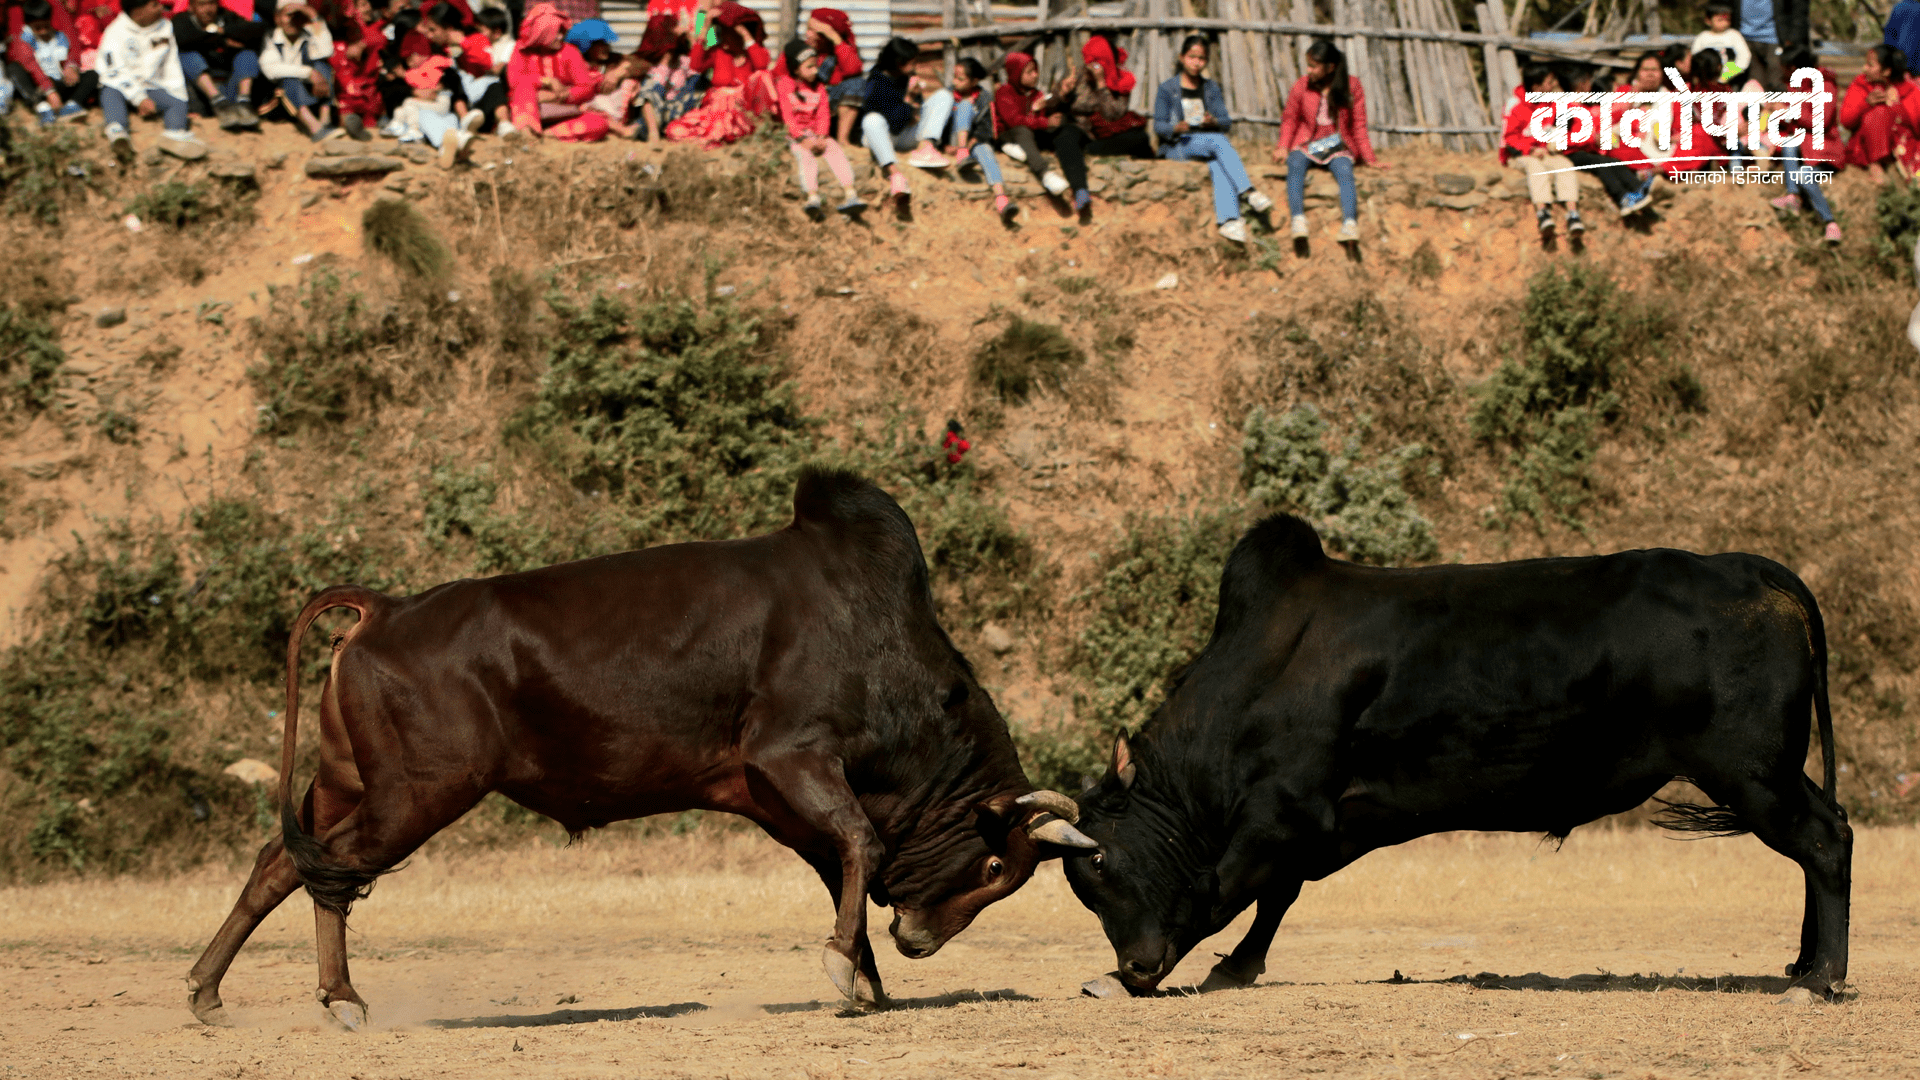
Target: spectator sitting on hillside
column 21, row 59
column 727, row 47
column 481, row 67
column 549, row 82
column 888, row 121
column 1883, row 112
column 619, row 84
column 1025, row 124
column 1324, row 125
column 830, row 36
column 429, row 115
column 140, row 71
column 806, row 108
column 1736, row 57
column 220, row 56
column 1550, row 176
column 405, row 47
column 1903, row 28
column 298, row 59
column 1190, row 116
column 68, row 90
column 671, row 89
column 1803, row 166
column 1630, row 193
column 970, row 132
column 1098, row 123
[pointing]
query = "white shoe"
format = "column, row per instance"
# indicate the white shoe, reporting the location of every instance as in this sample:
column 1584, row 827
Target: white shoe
column 393, row 130
column 180, row 136
column 1300, row 230
column 506, row 131
column 1235, row 230
column 1014, row 151
column 1349, row 230
column 1258, row 202
column 471, row 122
column 1055, row 183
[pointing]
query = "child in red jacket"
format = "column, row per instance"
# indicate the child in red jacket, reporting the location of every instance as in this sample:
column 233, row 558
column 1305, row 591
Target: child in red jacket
column 807, row 109
column 1550, row 176
column 1882, row 109
column 1025, row 120
column 1324, row 125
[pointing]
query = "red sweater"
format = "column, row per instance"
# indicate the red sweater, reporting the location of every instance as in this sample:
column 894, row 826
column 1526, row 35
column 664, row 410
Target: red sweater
column 1014, row 107
column 526, row 69
column 846, row 64
column 806, row 110
column 728, row 69
column 1514, row 139
column 21, row 53
column 1303, row 105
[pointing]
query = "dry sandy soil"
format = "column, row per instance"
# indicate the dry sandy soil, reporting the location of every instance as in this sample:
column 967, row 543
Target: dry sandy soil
column 699, row 957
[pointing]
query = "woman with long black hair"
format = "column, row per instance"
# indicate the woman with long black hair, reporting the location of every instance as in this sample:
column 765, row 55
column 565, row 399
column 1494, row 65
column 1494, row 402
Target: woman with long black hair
column 1324, row 126
column 1190, row 116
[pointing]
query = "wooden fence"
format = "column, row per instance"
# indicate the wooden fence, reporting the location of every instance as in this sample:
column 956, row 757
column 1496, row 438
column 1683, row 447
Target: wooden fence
column 1426, row 78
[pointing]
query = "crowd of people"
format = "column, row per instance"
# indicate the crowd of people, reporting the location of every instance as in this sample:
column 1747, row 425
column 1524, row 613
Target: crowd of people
column 446, row 73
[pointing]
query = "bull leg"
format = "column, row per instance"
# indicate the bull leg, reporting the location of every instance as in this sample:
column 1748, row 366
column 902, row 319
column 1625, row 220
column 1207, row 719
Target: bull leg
column 815, row 791
column 866, row 981
column 1809, row 935
column 1794, row 818
column 1248, row 960
column 381, row 830
column 271, row 882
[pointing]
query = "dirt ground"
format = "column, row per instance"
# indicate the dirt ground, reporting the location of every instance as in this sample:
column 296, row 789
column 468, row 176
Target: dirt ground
column 699, row 957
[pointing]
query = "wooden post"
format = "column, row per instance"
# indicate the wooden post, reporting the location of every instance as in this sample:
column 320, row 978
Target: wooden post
column 790, row 19
column 1040, row 50
column 949, row 19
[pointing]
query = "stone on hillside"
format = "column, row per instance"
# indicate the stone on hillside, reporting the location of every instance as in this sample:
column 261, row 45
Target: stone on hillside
column 998, row 641
column 1453, row 183
column 112, row 316
column 419, row 154
column 1458, row 202
column 183, row 149
column 250, row 771
column 338, row 148
column 323, row 167
column 232, row 170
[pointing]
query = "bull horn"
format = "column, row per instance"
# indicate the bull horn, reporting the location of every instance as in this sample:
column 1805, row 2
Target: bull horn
column 1053, row 802
column 1054, row 830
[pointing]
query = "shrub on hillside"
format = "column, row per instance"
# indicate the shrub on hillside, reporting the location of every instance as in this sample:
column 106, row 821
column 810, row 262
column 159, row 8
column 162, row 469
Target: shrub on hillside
column 1359, row 503
column 398, row 232
column 30, row 359
column 174, row 205
column 44, row 170
column 1025, row 358
column 1897, row 215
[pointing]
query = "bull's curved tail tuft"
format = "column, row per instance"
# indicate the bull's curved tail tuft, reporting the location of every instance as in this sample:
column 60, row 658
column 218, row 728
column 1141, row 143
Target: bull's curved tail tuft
column 332, row 887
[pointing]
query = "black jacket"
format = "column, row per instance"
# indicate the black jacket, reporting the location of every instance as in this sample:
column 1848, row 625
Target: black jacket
column 216, row 46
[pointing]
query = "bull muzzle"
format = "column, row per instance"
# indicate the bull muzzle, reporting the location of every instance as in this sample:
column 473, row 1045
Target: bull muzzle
column 912, row 936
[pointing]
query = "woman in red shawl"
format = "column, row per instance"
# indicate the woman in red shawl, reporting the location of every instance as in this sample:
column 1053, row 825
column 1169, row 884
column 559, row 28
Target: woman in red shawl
column 742, row 79
column 1882, row 109
column 549, row 82
column 1098, row 122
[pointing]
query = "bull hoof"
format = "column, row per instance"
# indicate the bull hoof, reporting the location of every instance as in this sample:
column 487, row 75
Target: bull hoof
column 1797, row 995
column 209, row 1011
column 867, row 994
column 842, row 971
column 348, row 1014
column 1223, row 977
column 1106, row 986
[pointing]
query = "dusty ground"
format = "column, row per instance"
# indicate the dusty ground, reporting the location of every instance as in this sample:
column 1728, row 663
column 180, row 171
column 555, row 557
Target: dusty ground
column 699, row 957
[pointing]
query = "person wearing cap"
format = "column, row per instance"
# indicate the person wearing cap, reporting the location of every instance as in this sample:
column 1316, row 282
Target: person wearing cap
column 297, row 58
column 140, row 71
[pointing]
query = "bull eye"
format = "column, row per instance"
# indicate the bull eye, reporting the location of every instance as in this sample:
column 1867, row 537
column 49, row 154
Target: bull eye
column 1099, row 860
column 995, row 868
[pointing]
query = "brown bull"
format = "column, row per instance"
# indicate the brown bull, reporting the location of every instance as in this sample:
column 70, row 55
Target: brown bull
column 798, row 679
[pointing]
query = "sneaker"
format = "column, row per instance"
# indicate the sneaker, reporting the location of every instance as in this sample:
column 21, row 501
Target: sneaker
column 1055, row 183
column 1633, row 202
column 1543, row 217
column 394, row 130
column 1300, row 230
column 928, row 158
column 813, row 208
column 45, row 112
column 325, row 133
column 902, row 194
column 1258, row 202
column 71, row 110
column 1004, row 207
column 1235, row 230
column 1833, row 232
column 853, row 205
column 1574, row 224
column 463, row 145
column 1349, row 231
column 1083, row 205
column 120, row 142
column 473, row 121
column 356, row 128
column 1013, row 151
column 507, row 131
column 1788, row 203
column 246, row 116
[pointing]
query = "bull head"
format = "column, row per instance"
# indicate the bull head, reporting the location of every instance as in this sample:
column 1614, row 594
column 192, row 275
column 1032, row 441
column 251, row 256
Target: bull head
column 1053, row 820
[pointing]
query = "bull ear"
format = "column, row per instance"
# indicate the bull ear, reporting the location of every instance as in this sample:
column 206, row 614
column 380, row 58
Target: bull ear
column 1123, row 760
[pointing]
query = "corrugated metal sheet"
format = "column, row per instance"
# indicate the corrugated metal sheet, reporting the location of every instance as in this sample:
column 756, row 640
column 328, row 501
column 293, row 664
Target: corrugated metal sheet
column 872, row 21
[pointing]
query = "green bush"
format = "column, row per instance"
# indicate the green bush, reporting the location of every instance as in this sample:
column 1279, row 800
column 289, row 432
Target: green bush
column 1024, row 358
column 395, row 230
column 30, row 359
column 1360, row 505
column 44, row 170
column 1896, row 214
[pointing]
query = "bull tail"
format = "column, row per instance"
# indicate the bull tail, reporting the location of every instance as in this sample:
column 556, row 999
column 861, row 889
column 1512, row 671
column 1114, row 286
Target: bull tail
column 1822, row 711
column 332, row 886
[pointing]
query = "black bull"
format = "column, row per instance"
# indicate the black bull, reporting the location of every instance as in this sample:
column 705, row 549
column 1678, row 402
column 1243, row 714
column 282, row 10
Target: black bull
column 798, row 679
column 1339, row 708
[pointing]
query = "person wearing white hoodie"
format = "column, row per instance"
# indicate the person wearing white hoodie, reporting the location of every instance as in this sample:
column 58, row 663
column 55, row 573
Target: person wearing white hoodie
column 298, row 59
column 139, row 65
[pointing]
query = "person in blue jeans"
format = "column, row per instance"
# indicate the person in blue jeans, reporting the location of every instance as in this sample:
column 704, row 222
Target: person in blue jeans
column 970, row 133
column 890, row 125
column 1190, row 116
column 220, row 55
